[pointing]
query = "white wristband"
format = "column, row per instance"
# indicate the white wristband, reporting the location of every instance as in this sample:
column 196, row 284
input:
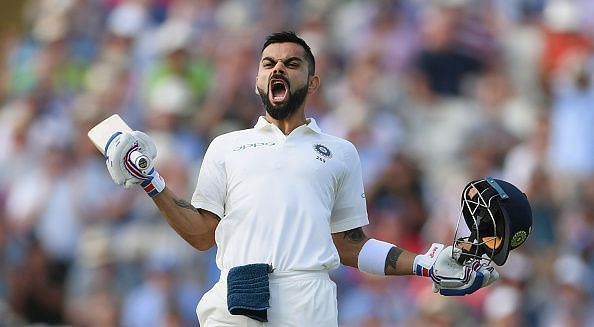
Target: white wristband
column 372, row 258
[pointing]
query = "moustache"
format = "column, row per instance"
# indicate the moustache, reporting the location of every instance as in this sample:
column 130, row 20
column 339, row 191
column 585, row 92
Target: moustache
column 278, row 76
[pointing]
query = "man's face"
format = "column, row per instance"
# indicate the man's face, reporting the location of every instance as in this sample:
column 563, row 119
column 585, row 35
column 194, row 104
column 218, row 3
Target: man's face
column 283, row 80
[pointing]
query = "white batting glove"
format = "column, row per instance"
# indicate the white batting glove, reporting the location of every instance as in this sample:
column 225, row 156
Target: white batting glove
column 448, row 276
column 129, row 160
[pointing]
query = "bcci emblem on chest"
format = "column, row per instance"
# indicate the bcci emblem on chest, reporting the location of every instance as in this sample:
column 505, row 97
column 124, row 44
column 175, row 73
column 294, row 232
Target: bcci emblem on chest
column 323, row 152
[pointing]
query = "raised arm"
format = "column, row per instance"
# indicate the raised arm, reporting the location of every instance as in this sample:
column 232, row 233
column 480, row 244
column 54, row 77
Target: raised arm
column 196, row 226
column 129, row 159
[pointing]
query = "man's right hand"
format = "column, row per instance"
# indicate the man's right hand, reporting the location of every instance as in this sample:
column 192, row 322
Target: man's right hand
column 129, row 160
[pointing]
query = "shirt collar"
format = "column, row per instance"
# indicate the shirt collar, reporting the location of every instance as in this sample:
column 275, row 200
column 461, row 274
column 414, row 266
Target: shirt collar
column 263, row 123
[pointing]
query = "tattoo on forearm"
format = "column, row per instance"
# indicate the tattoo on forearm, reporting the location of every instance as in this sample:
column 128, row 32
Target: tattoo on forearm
column 356, row 235
column 185, row 204
column 392, row 258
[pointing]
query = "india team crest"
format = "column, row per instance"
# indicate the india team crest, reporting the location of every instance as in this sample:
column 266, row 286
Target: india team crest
column 323, row 151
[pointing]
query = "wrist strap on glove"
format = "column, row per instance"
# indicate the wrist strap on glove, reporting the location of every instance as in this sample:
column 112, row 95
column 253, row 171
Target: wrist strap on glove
column 153, row 185
column 423, row 263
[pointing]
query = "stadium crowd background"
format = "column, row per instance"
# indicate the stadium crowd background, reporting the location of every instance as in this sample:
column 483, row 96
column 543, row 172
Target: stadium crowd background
column 432, row 93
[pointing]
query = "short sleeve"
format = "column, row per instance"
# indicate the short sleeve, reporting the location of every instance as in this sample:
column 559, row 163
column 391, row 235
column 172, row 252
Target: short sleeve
column 211, row 188
column 350, row 209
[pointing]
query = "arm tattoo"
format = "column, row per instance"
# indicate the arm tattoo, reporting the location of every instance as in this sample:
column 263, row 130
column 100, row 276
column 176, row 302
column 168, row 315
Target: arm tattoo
column 356, row 235
column 392, row 258
column 186, row 205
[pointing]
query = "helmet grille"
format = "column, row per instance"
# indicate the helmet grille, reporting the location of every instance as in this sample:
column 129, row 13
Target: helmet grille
column 484, row 218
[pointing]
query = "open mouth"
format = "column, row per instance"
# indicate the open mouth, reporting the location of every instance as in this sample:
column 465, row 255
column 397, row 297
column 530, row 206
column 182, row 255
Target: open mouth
column 279, row 91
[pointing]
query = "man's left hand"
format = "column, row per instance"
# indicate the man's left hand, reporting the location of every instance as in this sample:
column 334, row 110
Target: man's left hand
column 449, row 277
column 454, row 279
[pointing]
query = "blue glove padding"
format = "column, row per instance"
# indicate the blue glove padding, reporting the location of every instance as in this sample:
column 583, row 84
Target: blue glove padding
column 448, row 276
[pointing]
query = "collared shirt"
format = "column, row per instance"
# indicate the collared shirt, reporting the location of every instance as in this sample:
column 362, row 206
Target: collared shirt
column 281, row 196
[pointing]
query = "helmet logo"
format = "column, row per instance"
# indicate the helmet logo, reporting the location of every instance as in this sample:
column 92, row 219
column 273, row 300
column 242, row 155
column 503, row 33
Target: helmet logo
column 518, row 238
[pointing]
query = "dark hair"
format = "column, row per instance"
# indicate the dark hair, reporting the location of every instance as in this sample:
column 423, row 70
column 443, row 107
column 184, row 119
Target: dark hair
column 291, row 37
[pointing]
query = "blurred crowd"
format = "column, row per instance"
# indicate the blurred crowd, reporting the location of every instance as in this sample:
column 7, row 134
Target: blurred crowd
column 432, row 93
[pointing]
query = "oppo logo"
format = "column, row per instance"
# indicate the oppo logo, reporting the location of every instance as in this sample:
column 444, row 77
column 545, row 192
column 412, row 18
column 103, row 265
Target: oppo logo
column 253, row 145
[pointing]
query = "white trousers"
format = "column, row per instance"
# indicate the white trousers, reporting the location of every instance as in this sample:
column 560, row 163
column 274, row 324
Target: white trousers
column 297, row 299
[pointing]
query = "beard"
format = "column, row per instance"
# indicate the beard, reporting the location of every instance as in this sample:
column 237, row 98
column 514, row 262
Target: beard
column 282, row 111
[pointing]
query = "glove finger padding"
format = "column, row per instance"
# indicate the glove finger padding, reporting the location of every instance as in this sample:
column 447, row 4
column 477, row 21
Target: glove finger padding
column 491, row 275
column 146, row 145
column 447, row 271
column 115, row 157
column 448, row 276
column 451, row 278
column 130, row 158
column 477, row 279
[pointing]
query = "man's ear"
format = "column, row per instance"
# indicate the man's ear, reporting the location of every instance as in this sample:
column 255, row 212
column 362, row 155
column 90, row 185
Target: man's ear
column 314, row 84
column 256, row 86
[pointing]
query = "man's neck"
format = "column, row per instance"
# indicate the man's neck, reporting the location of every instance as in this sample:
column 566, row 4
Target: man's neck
column 288, row 124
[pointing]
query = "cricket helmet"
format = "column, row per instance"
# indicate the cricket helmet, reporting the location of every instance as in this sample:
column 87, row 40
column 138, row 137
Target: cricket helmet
column 498, row 217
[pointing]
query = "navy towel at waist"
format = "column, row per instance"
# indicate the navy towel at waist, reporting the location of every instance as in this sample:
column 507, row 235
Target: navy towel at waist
column 248, row 291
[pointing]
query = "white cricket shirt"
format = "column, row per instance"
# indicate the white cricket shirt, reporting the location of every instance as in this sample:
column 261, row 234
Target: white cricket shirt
column 281, row 196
